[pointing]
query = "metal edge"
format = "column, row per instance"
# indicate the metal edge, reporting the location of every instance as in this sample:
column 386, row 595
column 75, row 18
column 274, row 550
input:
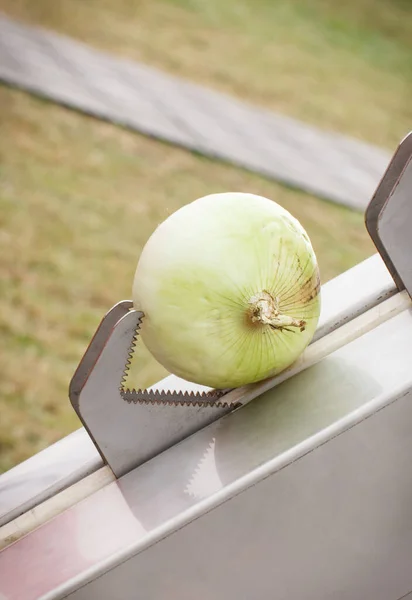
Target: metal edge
column 242, row 484
column 384, row 190
column 90, row 358
column 94, row 350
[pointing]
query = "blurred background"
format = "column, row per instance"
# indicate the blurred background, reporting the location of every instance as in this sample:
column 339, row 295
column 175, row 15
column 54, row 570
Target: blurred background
column 79, row 196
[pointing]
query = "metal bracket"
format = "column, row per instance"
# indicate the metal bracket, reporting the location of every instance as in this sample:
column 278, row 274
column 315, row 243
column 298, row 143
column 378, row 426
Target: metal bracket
column 127, row 435
column 388, row 217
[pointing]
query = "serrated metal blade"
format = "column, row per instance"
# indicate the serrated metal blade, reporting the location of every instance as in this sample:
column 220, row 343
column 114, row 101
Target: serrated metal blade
column 173, row 397
column 128, row 434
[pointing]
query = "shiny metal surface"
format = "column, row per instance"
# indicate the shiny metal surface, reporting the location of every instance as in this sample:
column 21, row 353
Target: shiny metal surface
column 388, row 215
column 316, row 352
column 67, row 461
column 310, row 479
column 335, row 523
column 94, row 349
column 44, row 474
column 129, row 434
column 354, row 292
column 395, row 226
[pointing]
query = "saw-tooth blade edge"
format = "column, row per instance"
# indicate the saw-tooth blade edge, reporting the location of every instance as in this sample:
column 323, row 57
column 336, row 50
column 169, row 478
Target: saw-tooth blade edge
column 130, row 354
column 168, row 397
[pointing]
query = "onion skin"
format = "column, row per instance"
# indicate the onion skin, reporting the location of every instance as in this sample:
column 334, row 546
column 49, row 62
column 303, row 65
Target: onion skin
column 230, row 288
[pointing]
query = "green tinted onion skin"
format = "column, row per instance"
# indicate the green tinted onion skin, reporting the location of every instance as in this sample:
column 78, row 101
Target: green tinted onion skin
column 230, row 288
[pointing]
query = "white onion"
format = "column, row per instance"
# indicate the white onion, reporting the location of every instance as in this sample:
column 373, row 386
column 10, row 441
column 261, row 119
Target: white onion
column 229, row 285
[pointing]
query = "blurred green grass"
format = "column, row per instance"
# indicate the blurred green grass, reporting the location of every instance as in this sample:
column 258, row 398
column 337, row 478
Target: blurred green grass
column 79, row 197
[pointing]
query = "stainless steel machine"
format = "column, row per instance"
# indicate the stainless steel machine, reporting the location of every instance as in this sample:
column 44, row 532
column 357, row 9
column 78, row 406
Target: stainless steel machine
column 295, row 488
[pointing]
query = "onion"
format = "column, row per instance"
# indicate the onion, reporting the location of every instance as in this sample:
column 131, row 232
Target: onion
column 230, row 288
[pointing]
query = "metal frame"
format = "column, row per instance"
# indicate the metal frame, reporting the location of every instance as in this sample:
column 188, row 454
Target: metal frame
column 294, row 493
column 74, row 457
column 302, row 493
column 378, row 207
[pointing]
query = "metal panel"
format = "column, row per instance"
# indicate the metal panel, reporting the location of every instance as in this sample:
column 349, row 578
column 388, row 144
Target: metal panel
column 193, row 511
column 75, row 456
column 336, row 523
column 41, row 476
column 390, row 194
column 395, row 225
